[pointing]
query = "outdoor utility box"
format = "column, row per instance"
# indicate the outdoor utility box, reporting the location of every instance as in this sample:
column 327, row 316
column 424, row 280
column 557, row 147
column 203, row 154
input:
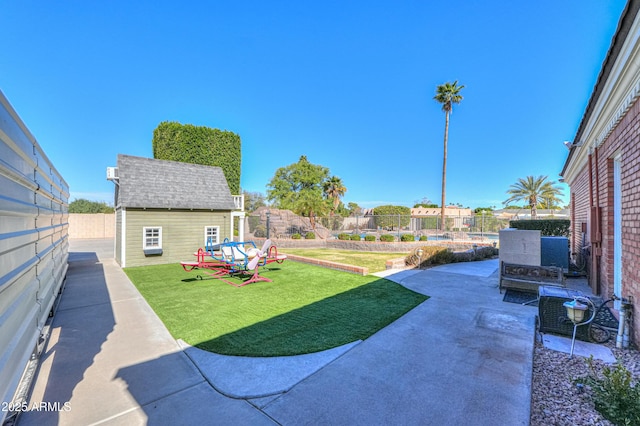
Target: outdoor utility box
column 554, row 251
column 553, row 315
column 520, row 246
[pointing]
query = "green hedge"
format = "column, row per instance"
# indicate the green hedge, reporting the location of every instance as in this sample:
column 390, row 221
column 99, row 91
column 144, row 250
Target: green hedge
column 407, row 237
column 200, row 145
column 343, row 236
column 387, row 238
column 296, row 236
column 547, row 227
column 369, row 237
column 310, row 236
column 355, row 237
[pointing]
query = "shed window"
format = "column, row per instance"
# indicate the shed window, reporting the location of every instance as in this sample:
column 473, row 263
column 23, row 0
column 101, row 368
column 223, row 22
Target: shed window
column 211, row 235
column 152, row 240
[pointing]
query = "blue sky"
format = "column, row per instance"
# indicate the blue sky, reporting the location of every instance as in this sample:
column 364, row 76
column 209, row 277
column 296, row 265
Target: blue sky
column 348, row 84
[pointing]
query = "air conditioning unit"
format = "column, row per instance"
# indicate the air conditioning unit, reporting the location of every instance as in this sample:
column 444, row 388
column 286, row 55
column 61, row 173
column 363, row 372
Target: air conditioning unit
column 554, row 251
column 553, row 315
column 112, row 173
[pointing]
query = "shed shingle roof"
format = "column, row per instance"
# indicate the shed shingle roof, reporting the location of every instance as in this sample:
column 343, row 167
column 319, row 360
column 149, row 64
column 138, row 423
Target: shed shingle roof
column 151, row 183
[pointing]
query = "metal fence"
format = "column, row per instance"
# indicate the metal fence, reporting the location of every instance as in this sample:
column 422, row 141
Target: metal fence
column 284, row 224
column 33, row 248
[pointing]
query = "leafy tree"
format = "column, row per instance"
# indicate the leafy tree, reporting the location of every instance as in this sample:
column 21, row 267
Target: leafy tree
column 85, row 206
column 253, row 201
column 532, row 190
column 342, row 210
column 446, row 94
column 354, row 209
column 389, row 216
column 300, row 187
column 481, row 209
column 200, row 145
column 334, row 190
column 425, row 202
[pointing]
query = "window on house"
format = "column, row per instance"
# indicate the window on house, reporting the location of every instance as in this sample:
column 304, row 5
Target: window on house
column 152, row 240
column 211, row 235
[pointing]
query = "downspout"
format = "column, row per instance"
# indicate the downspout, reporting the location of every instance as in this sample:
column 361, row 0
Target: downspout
column 592, row 267
column 598, row 250
column 574, row 230
column 590, row 181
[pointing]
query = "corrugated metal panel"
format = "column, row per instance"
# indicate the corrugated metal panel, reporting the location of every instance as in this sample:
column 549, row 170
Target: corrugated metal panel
column 33, row 245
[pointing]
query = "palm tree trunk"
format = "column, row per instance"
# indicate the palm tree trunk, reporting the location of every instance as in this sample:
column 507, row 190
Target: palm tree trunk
column 443, row 225
column 533, row 203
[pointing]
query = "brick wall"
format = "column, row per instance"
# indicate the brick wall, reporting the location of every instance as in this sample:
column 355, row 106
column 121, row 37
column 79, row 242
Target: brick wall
column 624, row 141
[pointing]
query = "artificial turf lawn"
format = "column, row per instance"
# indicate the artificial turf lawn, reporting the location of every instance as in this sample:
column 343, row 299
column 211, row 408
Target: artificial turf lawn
column 375, row 261
column 305, row 309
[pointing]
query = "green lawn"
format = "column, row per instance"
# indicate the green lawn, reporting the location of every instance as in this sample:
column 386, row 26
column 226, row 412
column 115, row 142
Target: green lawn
column 305, row 309
column 375, row 261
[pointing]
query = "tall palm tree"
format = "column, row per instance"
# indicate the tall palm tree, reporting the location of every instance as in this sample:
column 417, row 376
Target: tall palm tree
column 447, row 94
column 333, row 190
column 534, row 190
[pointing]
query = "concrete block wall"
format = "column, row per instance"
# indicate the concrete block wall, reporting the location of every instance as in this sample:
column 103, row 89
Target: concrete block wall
column 95, row 225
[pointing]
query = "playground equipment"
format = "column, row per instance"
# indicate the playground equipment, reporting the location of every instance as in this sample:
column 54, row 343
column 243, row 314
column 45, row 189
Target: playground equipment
column 231, row 258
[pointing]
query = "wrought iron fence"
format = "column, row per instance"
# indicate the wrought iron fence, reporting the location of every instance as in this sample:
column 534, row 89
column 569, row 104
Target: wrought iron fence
column 284, row 224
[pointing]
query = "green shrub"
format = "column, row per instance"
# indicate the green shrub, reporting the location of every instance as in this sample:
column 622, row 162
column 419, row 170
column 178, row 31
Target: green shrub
column 614, row 394
column 86, row 206
column 343, row 236
column 310, row 236
column 200, row 145
column 407, row 237
column 387, row 238
column 424, row 238
column 260, row 231
column 296, row 236
column 254, row 222
column 547, row 227
column 369, row 237
column 355, row 237
column 431, row 255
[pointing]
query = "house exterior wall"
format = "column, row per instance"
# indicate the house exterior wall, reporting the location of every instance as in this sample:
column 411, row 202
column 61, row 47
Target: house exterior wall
column 624, row 140
column 182, row 234
column 580, row 214
column 609, row 134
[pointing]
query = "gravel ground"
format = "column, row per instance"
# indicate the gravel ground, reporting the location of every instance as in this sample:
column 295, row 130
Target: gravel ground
column 556, row 400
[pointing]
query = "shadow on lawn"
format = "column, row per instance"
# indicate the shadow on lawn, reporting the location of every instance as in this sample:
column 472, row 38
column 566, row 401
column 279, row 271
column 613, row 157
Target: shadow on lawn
column 343, row 318
column 240, row 276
